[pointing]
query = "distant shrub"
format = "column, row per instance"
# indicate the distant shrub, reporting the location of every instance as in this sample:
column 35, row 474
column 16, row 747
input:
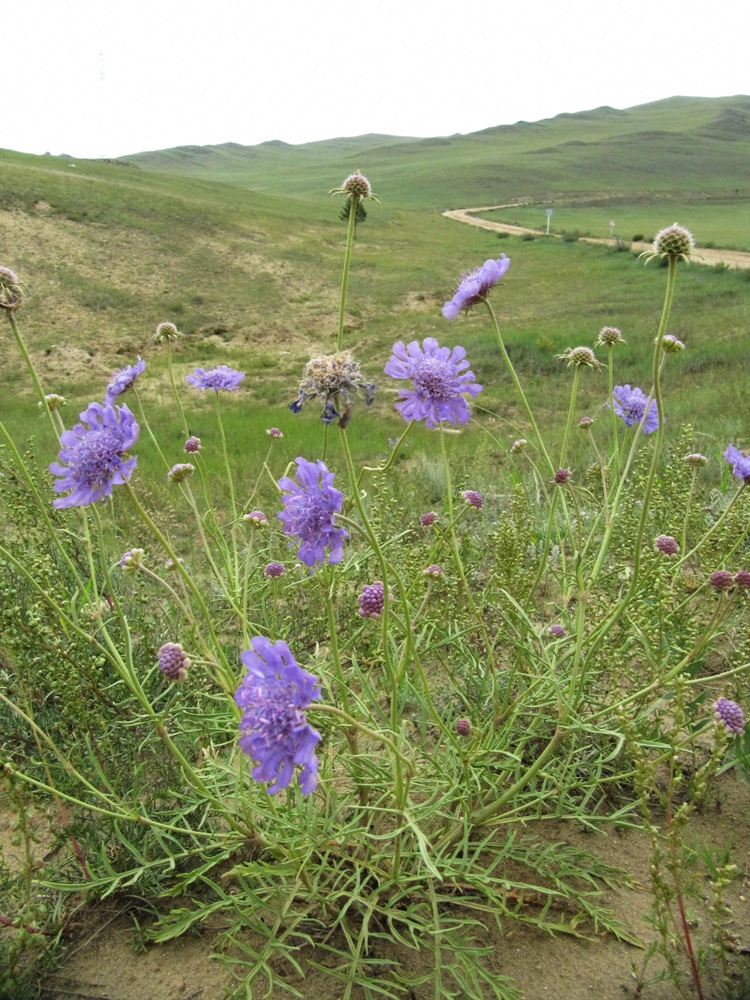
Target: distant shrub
column 528, row 237
column 638, row 238
column 622, row 246
column 571, row 237
column 503, row 236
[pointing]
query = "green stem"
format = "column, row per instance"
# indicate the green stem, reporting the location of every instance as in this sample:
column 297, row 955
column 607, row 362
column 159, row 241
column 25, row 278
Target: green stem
column 354, row 204
column 32, row 371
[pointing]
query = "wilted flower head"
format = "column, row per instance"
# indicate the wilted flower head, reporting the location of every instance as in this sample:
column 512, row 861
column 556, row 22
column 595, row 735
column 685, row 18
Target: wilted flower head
column 192, row 445
column 173, row 661
column 582, row 357
column 123, row 380
column 475, row 286
column 740, row 463
column 439, row 378
column 216, row 379
column 721, row 579
column 562, row 476
column 310, row 502
column 667, row 545
column 630, row 404
column 11, row 295
column 131, row 560
column 274, row 730
column 518, row 446
column 428, row 519
column 274, row 569
column 372, row 600
column 609, row 336
column 675, row 241
column 257, row 518
column 274, row 432
column 91, row 459
column 166, row 331
column 557, row 631
column 463, row 727
column 730, row 714
column 695, row 460
column 433, row 571
column 54, row 402
column 332, row 377
column 671, row 345
column 473, row 499
column 180, row 472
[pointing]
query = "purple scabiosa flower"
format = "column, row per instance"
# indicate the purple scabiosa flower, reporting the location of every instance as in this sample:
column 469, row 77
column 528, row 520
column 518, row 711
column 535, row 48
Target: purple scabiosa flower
column 740, row 463
column 274, row 730
column 91, row 460
column 131, row 560
column 630, row 404
column 173, row 661
column 309, row 505
column 274, row 432
column 428, row 519
column 742, row 578
column 223, row 377
column 730, row 714
column 721, row 579
column 180, row 472
column 473, row 499
column 557, row 631
column 475, row 286
column 372, row 600
column 439, row 380
column 257, row 518
column 434, row 572
column 274, row 570
column 667, row 545
column 123, row 380
column 463, row 727
column 562, row 476
column 192, row 445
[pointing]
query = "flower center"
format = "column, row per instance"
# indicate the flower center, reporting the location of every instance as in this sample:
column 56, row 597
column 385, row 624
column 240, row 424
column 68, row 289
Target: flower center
column 97, row 456
column 433, row 378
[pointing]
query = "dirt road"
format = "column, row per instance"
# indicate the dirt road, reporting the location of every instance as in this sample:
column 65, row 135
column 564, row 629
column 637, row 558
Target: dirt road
column 732, row 258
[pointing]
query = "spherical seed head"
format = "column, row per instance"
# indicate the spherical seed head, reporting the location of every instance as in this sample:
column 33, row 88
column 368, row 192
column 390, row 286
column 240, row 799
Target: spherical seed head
column 667, row 545
column 428, row 519
column 192, row 445
column 562, row 476
column 609, row 336
column 357, row 184
column 674, row 241
column 730, row 714
column 721, row 579
column 165, row 331
column 671, row 345
column 585, row 422
column 274, row 570
column 742, row 578
column 173, row 661
column 372, row 600
column 582, row 357
column 11, row 295
column 131, row 560
column 557, row 631
column 180, row 472
column 463, row 727
column 54, row 402
column 256, row 518
column 518, row 446
column 433, row 571
column 274, row 432
column 473, row 499
column 331, row 378
column 695, row 460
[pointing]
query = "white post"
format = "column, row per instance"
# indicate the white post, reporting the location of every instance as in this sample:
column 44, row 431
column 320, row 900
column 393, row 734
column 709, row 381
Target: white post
column 549, row 216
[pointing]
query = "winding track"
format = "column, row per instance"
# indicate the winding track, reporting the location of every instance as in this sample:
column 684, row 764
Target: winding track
column 732, row 258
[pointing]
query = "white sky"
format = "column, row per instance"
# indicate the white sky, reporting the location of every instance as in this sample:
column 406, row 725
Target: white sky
column 109, row 77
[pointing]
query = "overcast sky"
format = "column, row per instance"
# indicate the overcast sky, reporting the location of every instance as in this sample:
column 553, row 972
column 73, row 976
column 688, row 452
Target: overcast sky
column 108, row 77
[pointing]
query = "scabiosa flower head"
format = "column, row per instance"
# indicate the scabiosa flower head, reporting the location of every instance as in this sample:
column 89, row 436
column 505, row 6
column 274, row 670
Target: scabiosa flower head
column 671, row 345
column 428, row 519
column 274, row 730
column 562, row 476
column 585, row 422
column 123, row 380
column 721, row 579
column 91, row 459
column 257, row 518
column 274, row 432
column 54, row 402
column 165, row 331
column 173, row 661
column 172, row 565
column 223, row 377
column 180, row 472
column 439, row 378
column 730, row 714
column 742, row 578
column 475, row 286
column 463, row 727
column 473, row 499
column 131, row 560
column 372, row 600
column 332, row 377
column 582, row 357
column 434, row 572
column 11, row 295
column 192, row 445
column 695, row 460
column 557, row 631
column 274, row 570
column 740, row 463
column 674, row 241
column 518, row 446
column 667, row 545
column 358, row 185
column 630, row 404
column 309, row 505
column 609, row 336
